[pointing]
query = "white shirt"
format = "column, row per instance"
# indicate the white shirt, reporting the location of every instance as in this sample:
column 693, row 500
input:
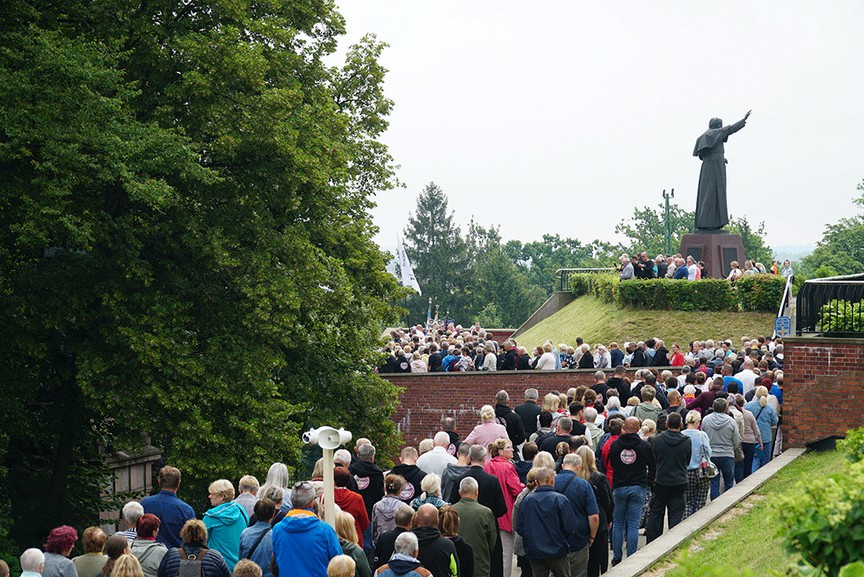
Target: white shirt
column 691, row 272
column 546, row 362
column 748, row 379
column 435, row 461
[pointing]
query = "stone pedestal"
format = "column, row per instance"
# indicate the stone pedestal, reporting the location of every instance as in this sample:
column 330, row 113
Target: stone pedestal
column 716, row 249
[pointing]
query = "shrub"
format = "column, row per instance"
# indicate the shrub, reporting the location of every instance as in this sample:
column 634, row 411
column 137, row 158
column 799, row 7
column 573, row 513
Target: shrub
column 840, row 316
column 853, row 445
column 580, row 283
column 823, row 520
column 667, row 294
column 605, row 287
column 760, row 293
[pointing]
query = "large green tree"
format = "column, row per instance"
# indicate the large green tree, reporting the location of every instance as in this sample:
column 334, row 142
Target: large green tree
column 841, row 250
column 645, row 229
column 541, row 259
column 185, row 245
column 439, row 256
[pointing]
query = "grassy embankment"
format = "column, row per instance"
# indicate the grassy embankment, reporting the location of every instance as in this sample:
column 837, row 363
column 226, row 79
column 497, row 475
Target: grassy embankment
column 599, row 322
column 744, row 539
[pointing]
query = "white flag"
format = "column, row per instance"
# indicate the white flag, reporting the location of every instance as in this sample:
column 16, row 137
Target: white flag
column 408, row 278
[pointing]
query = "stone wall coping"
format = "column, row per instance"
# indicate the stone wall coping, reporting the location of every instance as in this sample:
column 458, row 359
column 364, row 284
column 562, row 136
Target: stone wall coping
column 824, row 340
column 397, row 376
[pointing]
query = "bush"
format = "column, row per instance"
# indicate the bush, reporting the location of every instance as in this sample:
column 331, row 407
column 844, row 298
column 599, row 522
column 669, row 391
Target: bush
column 853, row 445
column 760, row 293
column 823, row 520
column 580, row 283
column 606, row 287
column 840, row 316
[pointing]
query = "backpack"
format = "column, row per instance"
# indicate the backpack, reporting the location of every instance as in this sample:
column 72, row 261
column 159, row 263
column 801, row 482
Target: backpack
column 190, row 565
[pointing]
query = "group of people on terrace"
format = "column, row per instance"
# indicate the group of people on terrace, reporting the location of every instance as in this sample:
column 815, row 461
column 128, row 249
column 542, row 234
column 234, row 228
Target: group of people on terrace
column 641, row 266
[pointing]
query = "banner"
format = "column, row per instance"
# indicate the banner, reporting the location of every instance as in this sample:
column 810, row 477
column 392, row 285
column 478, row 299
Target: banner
column 405, row 268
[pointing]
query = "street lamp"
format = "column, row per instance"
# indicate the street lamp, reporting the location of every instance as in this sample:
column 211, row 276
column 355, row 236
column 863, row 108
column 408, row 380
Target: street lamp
column 667, row 225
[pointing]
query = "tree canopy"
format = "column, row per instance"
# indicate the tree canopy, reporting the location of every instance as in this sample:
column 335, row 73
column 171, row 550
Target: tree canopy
column 841, row 250
column 185, row 246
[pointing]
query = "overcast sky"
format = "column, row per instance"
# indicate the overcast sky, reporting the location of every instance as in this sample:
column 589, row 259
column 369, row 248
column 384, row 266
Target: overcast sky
column 561, row 117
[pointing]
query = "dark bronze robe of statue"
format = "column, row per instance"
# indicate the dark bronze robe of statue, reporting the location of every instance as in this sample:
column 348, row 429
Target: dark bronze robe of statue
column 711, row 211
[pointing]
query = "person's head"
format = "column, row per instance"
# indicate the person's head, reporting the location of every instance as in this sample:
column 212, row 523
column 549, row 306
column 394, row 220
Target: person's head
column 403, row 516
column 631, row 425
column 565, row 425
column 426, row 516
column 502, row 398
column 406, row 543
column 550, row 403
column 342, row 457
column 468, row 488
column 720, row 405
column 572, row 462
column 93, row 540
column 195, row 532
column 693, row 419
column 247, row 568
column 588, row 464
column 132, row 511
column 477, row 455
column 762, row 395
column 431, row 485
column 148, row 526
column 393, row 484
column 366, row 453
column 531, row 394
column 115, row 546
column 614, row 403
column 169, row 478
column 345, row 527
column 648, row 429
column 590, row 414
column 463, row 454
column 341, row 477
column 673, row 422
column 408, row 456
column 487, row 413
column 545, row 419
column 545, row 476
column 448, row 424
column 529, row 451
column 648, row 393
column 127, row 566
column 501, row 448
column 441, row 439
column 275, row 494
column 264, row 509
column 544, row 459
column 248, row 484
column 61, row 540
column 674, row 397
column 339, row 566
column 303, row 495
column 221, row 491
column 32, row 560
column 4, row 568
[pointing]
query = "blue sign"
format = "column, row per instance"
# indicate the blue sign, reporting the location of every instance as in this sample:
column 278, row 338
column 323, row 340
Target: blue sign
column 782, row 326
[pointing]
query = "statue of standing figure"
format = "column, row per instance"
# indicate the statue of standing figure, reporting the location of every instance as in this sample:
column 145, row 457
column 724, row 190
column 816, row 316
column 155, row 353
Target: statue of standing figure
column 711, row 212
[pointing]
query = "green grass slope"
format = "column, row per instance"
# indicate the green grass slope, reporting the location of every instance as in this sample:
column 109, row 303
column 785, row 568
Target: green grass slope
column 599, row 322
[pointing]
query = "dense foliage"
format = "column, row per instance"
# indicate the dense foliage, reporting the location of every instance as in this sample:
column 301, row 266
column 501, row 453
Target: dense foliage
column 842, row 316
column 823, row 520
column 185, row 246
column 841, row 250
column 759, row 293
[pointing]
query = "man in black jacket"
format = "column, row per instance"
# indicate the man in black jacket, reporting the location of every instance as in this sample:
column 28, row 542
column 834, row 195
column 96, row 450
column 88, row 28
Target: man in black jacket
column 403, row 517
column 632, row 461
column 617, row 383
column 437, row 553
column 672, row 452
column 408, row 468
column 528, row 412
column 370, row 484
column 435, row 359
column 511, row 421
column 509, row 357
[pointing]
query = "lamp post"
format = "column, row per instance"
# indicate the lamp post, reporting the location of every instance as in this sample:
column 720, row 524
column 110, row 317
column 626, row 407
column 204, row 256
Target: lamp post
column 328, row 439
column 667, row 226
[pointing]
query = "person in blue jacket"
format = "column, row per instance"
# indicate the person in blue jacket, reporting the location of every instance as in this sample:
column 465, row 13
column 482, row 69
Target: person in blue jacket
column 303, row 545
column 225, row 521
column 546, row 522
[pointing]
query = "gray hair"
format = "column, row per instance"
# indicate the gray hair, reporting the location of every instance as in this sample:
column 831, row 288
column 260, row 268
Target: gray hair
column 613, row 403
column 342, row 456
column 406, row 544
column 441, row 439
column 477, row 453
column 366, row 452
column 502, row 397
column 572, row 459
column 275, row 494
column 565, row 423
column 132, row 511
column 531, row 393
column 468, row 485
column 32, row 560
column 590, row 414
column 302, row 495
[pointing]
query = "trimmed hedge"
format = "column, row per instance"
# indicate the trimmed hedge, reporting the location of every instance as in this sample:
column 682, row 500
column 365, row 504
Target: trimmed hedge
column 760, row 293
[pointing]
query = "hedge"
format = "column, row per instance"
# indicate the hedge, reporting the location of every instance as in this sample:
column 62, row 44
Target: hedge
column 760, row 293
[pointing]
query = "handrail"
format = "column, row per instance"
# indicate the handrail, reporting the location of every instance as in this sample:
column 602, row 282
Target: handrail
column 563, row 278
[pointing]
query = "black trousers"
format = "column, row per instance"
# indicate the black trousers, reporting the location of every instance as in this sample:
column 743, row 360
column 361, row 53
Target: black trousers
column 664, row 497
column 598, row 554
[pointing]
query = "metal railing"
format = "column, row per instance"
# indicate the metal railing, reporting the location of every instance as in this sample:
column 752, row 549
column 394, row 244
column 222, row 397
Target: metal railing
column 563, row 275
column 831, row 307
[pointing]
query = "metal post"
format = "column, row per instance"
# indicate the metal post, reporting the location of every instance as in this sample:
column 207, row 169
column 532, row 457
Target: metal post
column 667, row 225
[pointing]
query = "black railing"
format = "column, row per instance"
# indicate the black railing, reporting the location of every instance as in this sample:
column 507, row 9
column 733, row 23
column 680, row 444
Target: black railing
column 563, row 275
column 831, row 307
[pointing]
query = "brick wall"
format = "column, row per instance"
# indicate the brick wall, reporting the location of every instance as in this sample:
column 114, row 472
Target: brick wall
column 429, row 397
column 500, row 335
column 822, row 389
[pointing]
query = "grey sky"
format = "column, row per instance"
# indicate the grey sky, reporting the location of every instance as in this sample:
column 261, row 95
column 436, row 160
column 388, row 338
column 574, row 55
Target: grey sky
column 560, row 117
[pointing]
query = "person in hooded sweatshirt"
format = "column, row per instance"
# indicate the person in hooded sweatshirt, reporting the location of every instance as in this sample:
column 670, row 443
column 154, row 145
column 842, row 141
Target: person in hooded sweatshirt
column 436, row 552
column 225, row 521
column 404, row 561
column 632, row 461
column 303, row 545
column 723, row 435
column 384, row 510
column 672, row 451
column 408, row 470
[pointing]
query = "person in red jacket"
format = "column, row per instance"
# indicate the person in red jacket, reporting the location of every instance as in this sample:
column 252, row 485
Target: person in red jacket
column 349, row 501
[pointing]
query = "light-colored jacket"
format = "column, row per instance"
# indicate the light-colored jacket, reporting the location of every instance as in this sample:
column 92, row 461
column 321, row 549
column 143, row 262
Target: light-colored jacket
column 722, row 434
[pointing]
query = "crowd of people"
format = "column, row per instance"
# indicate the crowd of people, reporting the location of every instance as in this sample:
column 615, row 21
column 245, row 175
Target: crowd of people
column 548, row 484
column 678, row 267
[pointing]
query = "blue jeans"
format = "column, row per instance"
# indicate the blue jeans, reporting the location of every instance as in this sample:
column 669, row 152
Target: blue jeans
column 761, row 458
column 628, row 510
column 726, row 466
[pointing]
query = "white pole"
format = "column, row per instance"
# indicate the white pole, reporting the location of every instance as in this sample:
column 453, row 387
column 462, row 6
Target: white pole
column 329, row 489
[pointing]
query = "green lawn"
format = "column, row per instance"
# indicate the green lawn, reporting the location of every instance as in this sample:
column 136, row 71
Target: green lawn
column 744, row 538
column 599, row 322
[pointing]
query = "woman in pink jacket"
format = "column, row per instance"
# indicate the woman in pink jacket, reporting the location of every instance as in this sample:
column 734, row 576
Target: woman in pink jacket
column 501, row 465
column 488, row 431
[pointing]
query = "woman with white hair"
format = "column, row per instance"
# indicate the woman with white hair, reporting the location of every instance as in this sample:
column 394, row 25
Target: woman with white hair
column 225, row 521
column 431, row 487
column 547, row 360
column 277, row 476
column 488, row 431
column 602, row 358
column 766, row 418
column 32, row 562
column 586, row 361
